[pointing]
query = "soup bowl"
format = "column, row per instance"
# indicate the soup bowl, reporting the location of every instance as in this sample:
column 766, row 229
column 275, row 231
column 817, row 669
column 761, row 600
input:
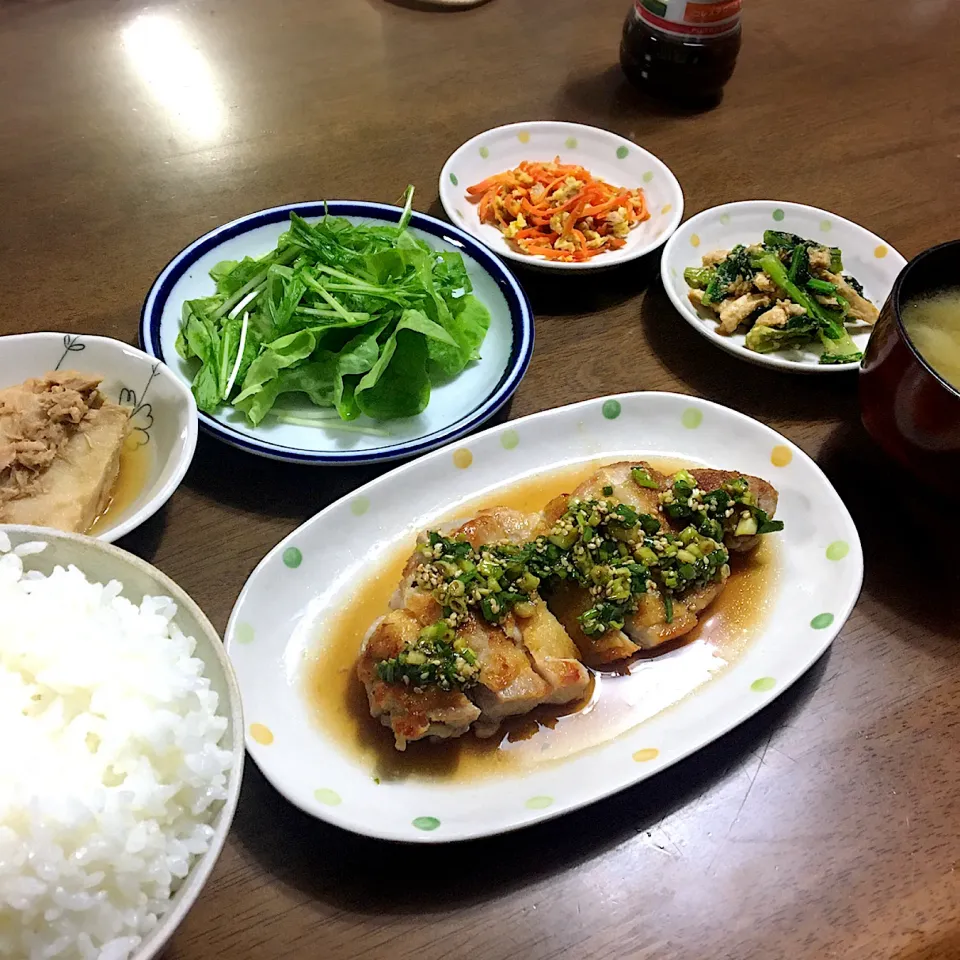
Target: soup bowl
column 909, row 409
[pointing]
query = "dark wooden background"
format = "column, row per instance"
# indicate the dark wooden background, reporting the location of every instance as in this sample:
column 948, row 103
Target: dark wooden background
column 825, row 827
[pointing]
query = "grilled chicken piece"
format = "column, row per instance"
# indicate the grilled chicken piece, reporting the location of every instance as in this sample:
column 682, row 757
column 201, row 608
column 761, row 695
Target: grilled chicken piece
column 647, row 627
column 524, row 662
column 571, row 601
column 411, row 714
column 500, row 525
column 552, row 651
column 765, row 493
column 508, row 685
column 554, row 654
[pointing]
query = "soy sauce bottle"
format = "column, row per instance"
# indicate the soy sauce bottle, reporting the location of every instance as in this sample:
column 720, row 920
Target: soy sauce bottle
column 681, row 50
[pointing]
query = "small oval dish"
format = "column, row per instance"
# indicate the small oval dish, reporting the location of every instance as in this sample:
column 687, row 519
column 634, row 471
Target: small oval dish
column 607, row 156
column 163, row 421
column 865, row 256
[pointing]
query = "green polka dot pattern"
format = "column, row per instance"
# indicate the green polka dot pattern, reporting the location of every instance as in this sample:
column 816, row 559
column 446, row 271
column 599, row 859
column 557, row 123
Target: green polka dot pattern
column 692, row 418
column 509, row 439
column 426, row 823
column 838, row 550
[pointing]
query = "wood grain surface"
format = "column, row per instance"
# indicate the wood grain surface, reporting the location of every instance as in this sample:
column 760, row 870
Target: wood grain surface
column 827, row 826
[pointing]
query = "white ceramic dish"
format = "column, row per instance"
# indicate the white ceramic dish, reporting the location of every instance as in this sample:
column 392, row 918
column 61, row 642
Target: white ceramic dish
column 456, row 407
column 871, row 260
column 606, row 155
column 103, row 562
column 164, row 417
column 301, row 584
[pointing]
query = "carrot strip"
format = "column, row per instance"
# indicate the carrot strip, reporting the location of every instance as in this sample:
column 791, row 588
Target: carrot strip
column 538, row 191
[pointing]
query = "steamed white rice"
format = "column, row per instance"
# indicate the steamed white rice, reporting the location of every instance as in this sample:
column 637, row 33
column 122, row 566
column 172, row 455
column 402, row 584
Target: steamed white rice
column 111, row 769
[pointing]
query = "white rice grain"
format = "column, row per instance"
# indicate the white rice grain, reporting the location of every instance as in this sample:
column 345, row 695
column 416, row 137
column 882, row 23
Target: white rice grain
column 112, row 768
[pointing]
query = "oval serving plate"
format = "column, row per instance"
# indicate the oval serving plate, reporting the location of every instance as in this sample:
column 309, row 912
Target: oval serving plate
column 301, row 584
column 606, row 155
column 455, row 408
column 871, row 260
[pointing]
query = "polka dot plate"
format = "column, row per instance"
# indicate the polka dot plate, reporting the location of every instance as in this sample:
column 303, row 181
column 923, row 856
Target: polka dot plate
column 606, row 155
column 456, row 407
column 868, row 258
column 288, row 611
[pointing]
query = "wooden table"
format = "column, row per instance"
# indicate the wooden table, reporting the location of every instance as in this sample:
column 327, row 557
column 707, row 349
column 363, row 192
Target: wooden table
column 825, row 827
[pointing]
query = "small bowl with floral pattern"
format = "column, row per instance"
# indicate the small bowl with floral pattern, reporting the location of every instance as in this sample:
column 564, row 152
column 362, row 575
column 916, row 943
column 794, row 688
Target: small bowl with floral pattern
column 162, row 435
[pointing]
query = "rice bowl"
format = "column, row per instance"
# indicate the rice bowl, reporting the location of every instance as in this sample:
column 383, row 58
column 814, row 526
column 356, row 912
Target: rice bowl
column 120, row 733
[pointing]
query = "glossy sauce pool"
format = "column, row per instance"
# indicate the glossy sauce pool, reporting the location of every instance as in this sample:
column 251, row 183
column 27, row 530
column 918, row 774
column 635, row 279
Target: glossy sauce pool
column 135, row 460
column 618, row 701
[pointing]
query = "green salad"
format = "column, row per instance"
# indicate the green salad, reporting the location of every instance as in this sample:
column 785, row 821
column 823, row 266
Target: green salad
column 786, row 292
column 359, row 318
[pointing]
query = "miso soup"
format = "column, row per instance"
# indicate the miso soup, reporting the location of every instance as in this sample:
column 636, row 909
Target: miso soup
column 933, row 323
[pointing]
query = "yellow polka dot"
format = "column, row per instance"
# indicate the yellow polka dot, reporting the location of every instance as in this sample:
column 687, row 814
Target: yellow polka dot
column 695, row 240
column 666, row 208
column 647, row 753
column 880, row 252
column 263, row 735
column 524, row 136
column 462, row 458
column 781, row 455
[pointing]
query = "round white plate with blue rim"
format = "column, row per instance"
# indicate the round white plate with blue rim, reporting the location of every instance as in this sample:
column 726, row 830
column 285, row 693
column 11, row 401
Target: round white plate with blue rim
column 287, row 608
column 868, row 258
column 606, row 155
column 163, row 414
column 455, row 409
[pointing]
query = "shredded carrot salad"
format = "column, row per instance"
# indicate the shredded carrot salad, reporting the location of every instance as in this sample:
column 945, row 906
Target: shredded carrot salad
column 559, row 211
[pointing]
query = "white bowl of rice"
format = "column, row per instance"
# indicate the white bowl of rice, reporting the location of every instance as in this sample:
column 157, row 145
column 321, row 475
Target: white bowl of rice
column 122, row 750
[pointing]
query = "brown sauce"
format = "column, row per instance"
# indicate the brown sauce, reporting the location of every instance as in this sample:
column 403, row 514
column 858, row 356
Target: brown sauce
column 135, row 462
column 619, row 700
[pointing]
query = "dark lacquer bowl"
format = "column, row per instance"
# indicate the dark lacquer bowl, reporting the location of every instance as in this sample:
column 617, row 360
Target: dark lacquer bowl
column 909, row 409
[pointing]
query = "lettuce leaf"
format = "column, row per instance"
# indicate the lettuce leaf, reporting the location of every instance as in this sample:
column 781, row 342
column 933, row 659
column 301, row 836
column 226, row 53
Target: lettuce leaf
column 363, row 318
column 468, row 328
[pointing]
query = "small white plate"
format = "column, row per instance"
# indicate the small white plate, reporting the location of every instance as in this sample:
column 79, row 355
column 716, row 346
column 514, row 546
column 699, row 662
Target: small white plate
column 303, row 583
column 456, row 407
column 163, row 420
column 606, row 155
column 865, row 256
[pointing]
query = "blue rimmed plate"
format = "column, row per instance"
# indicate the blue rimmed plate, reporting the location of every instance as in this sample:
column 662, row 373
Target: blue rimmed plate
column 455, row 408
